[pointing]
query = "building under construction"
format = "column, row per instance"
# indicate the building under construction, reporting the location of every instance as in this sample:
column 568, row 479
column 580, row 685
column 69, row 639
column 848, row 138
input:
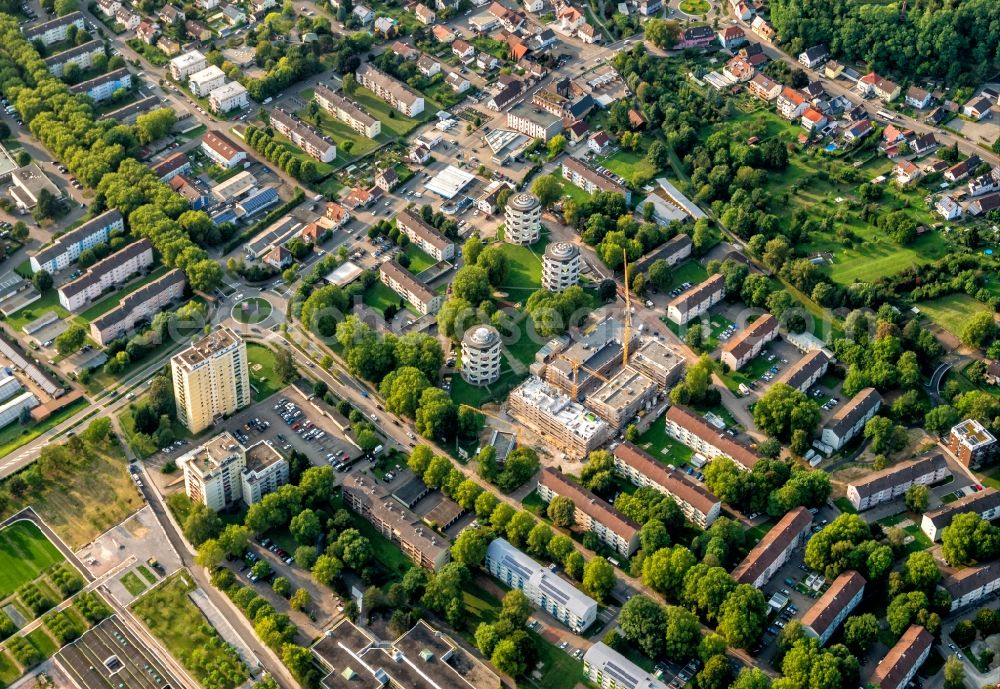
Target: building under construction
column 567, row 425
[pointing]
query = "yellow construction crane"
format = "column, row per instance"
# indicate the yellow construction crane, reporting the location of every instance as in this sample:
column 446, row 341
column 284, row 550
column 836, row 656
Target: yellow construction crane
column 628, row 314
column 576, row 366
column 517, row 427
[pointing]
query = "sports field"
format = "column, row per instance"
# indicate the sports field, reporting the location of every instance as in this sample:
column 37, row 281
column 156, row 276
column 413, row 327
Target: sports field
column 24, row 553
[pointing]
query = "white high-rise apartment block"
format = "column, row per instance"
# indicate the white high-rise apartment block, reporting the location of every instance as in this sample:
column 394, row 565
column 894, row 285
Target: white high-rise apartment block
column 481, row 348
column 560, row 266
column 523, row 219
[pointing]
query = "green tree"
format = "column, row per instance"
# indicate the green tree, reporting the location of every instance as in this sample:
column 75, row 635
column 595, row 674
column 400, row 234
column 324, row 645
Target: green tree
column 644, row 623
column 402, row 389
column 954, row 673
column 561, row 510
column 860, row 632
column 742, row 616
column 327, row 569
column 300, row 600
column 548, row 189
column 917, row 497
column 201, row 524
column 682, row 634
column 284, row 365
column 598, row 578
column 662, row 33
column 556, row 145
column 717, row 673
column 71, row 339
column 980, row 330
column 664, row 571
column 470, row 547
column 783, row 409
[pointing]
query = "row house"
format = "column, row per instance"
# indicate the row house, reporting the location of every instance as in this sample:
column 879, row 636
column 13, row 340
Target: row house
column 888, row 484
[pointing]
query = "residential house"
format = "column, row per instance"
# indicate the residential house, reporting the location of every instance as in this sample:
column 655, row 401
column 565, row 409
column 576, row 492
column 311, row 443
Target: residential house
column 197, row 30
column 228, row 97
column 764, row 87
column 984, row 204
column 960, row 171
column 813, row 120
column 385, row 26
column 419, row 155
column 171, row 15
column 918, row 98
column 108, row 7
column 147, row 32
column 570, row 19
column 221, row 150
column 506, row 96
column 599, row 143
column 337, row 215
column 457, row 82
column 463, row 50
column 741, row 9
column 428, row 66
column 127, row 18
column 359, row 197
column 978, row 108
column 443, row 34
column 168, row 46
column 696, row 37
column 386, row 179
column 363, row 14
column 649, row 8
column 813, row 56
column 923, row 144
column 588, row 34
column 487, row 62
column 233, row 16
column 425, row 15
column 982, row 185
column 732, row 37
column 534, row 6
column 739, row 69
column 859, row 130
column 791, row 104
column 763, row 28
column 906, row 171
column 947, row 208
column 832, row 69
column 407, row 52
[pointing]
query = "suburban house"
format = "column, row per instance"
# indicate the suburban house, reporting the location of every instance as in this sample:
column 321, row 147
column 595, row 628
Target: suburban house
column 425, row 15
column 813, row 56
column 813, row 119
column 738, row 69
column 917, row 97
column 732, row 37
column 791, row 104
column 696, row 37
column 859, row 130
column 463, row 50
column 763, row 28
column 906, row 171
column 984, row 204
column 764, row 87
column 947, row 208
column 442, row 34
column 978, row 108
column 960, row 171
column 599, row 143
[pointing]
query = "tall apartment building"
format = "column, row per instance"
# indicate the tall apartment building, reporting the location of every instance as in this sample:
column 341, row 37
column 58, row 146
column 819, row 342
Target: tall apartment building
column 590, row 180
column 54, row 30
column 697, row 300
column 701, row 436
column 303, row 135
column 900, row 665
column 615, row 530
column 851, row 418
column 212, row 472
column 138, row 306
column 405, row 284
column 67, row 248
column 697, row 503
column 481, row 355
column 115, row 270
column 970, row 585
column 543, row 587
column 749, row 342
column 804, row 373
column 890, row 483
column 265, row 472
column 347, row 111
column 985, row 503
column 424, row 236
column 183, row 66
column 391, row 90
column 773, row 551
column 971, row 443
column 82, row 56
column 103, row 87
column 609, row 669
column 211, row 379
column 561, row 266
column 833, row 607
column 567, row 425
column 373, row 501
column 523, row 219
column 231, row 96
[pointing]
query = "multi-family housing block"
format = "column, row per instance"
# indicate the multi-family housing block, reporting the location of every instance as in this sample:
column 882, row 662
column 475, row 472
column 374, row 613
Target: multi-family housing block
column 405, row 284
column 220, row 472
column 609, row 669
column 774, row 550
column 615, row 530
column 221, row 150
column 391, row 90
column 541, row 585
column 183, row 66
column 424, row 236
column 570, row 427
column 900, row 665
column 82, row 56
column 115, row 270
column 347, row 111
column 590, row 180
column 231, row 96
column 211, row 379
column 138, row 306
column 971, row 585
column 54, row 30
column 67, row 248
column 749, row 342
column 306, row 137
column 696, row 502
column 890, row 483
column 971, row 443
column 701, row 436
column 851, row 418
column 985, row 503
column 697, row 300
column 204, row 81
column 833, row 607
column 805, row 372
column 103, row 87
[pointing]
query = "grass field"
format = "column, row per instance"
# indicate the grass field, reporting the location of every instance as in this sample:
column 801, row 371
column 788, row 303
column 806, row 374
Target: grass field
column 393, row 122
column 631, row 166
column 24, row 553
column 41, row 640
column 380, row 296
column 92, row 500
column 420, row 260
column 525, row 269
column 341, row 133
column 953, row 311
column 133, row 584
column 689, row 271
column 15, row 435
column 49, row 301
column 257, row 310
column 102, row 307
column 262, row 376
column 656, row 442
column 9, row 671
column 146, row 574
column 180, row 625
column 571, row 191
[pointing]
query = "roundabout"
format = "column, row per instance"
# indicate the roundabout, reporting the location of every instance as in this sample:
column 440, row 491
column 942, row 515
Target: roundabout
column 252, row 310
column 695, row 8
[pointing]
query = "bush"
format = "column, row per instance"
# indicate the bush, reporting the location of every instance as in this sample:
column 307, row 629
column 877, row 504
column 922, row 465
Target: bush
column 33, row 597
column 24, row 653
column 68, row 581
column 92, row 606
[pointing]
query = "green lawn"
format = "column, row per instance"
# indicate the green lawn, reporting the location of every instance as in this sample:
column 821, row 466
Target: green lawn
column 386, row 553
column 631, row 166
column 656, row 442
column 341, row 134
column 324, row 169
column 257, row 310
column 394, row 123
column 9, row 671
column 15, row 435
column 845, row 506
column 695, row 7
column 133, row 584
column 953, row 311
column 420, row 260
column 41, row 640
column 525, row 268
column 24, row 553
column 571, row 191
column 882, row 257
column 146, row 574
column 689, row 271
column 379, row 296
column 48, row 302
column 559, row 669
column 175, row 620
column 262, row 376
column 114, row 299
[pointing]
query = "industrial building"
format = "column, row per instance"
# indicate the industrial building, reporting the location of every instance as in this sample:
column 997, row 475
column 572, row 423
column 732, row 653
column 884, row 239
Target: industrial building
column 211, row 379
column 570, row 428
column 615, row 530
column 481, row 355
column 696, row 502
column 543, row 587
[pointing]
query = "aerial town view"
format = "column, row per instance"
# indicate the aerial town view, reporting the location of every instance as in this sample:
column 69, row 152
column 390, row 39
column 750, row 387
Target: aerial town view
column 468, row 344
